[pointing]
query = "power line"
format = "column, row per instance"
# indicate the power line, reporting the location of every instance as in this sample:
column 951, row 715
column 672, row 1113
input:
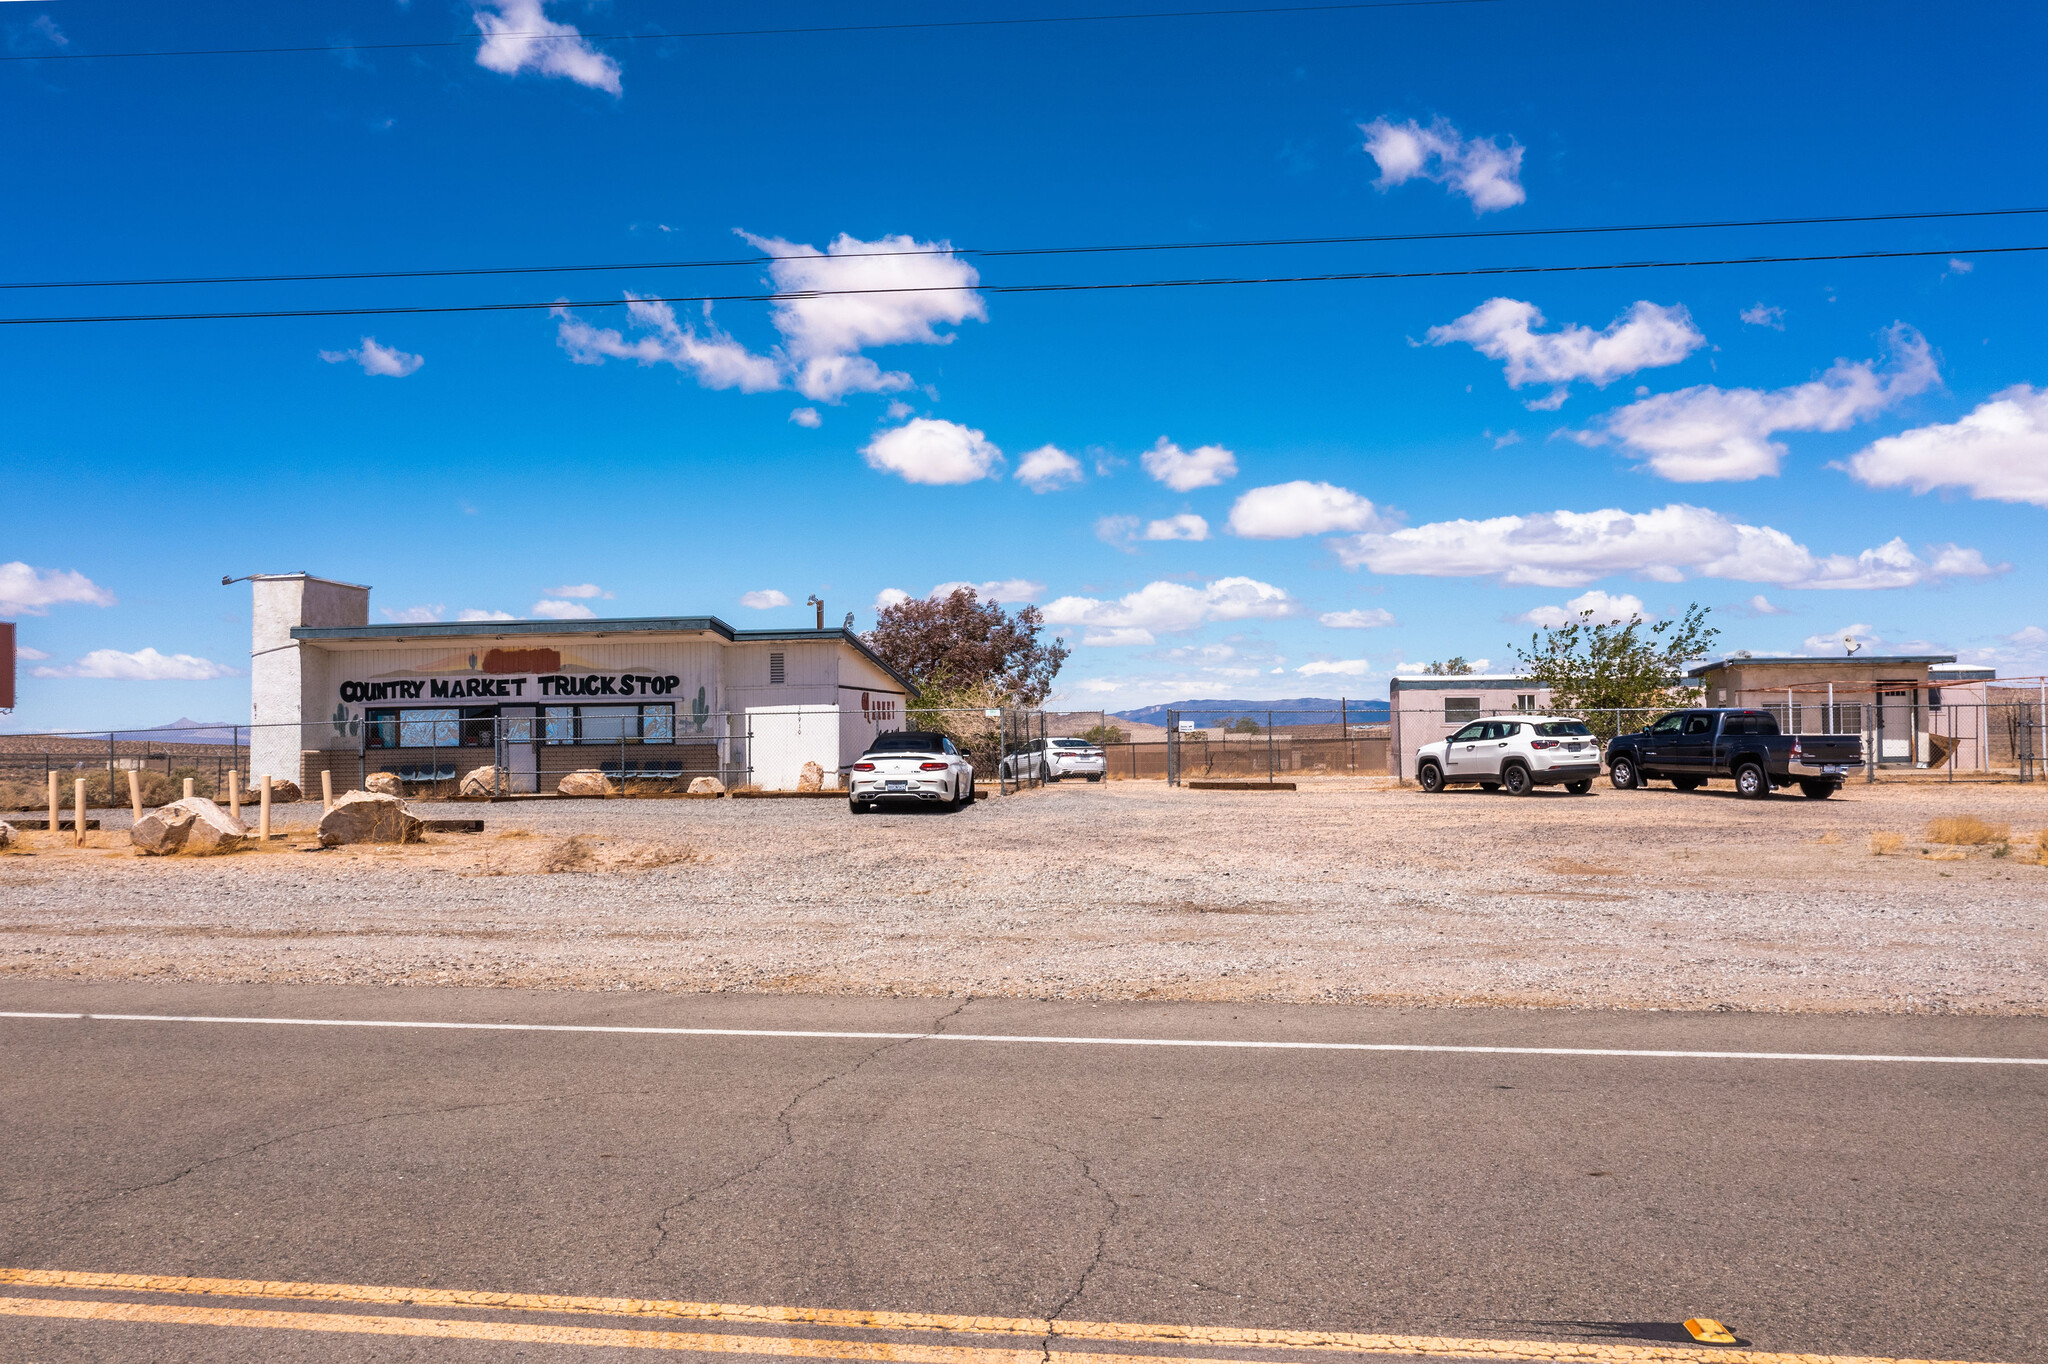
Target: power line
column 994, row 252
column 751, row 32
column 797, row 295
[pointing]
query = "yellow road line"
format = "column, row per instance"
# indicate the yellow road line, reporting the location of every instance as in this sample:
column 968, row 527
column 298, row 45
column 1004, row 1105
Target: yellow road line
column 1210, row 1336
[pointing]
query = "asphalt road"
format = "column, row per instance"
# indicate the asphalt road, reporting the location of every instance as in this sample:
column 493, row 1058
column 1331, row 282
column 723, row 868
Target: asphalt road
column 1836, row 1207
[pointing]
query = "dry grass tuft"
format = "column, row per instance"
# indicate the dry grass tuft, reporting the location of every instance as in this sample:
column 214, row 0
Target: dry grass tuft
column 1829, row 837
column 1966, row 831
column 1883, row 843
column 653, row 855
column 571, row 854
column 516, row 833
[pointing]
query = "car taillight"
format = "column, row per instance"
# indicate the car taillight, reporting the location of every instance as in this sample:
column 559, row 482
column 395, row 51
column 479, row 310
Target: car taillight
column 863, row 767
column 931, row 767
column 1544, row 743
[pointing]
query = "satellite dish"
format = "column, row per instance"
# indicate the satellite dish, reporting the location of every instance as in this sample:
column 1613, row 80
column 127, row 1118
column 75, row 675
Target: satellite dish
column 1849, row 643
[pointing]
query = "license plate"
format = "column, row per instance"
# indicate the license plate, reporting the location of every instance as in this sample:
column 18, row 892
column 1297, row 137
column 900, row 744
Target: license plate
column 1832, row 770
column 895, row 786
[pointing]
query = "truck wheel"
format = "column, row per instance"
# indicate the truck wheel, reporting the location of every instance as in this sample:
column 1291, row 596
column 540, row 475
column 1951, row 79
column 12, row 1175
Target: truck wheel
column 1622, row 772
column 1489, row 786
column 1687, row 783
column 1817, row 790
column 1579, row 788
column 857, row 807
column 1516, row 779
column 1430, row 778
column 1751, row 782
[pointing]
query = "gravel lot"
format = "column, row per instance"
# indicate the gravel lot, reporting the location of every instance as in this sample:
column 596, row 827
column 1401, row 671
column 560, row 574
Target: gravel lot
column 1348, row 891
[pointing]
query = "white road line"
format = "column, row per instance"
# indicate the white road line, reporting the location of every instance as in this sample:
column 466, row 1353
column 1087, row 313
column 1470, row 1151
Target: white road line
column 1226, row 1044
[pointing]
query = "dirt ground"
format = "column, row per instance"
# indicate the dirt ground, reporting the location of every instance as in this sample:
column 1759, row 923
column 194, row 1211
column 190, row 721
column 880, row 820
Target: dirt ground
column 1348, row 890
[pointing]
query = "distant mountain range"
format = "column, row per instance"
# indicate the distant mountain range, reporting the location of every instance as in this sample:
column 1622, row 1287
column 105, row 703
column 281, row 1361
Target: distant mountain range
column 1301, row 710
column 184, row 731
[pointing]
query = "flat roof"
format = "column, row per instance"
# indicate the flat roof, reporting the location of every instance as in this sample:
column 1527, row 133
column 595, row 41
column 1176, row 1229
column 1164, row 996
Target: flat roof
column 628, row 625
column 1436, row 682
column 1851, row 661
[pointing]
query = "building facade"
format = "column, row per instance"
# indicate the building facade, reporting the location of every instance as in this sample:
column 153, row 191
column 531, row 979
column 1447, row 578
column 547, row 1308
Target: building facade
column 1913, row 710
column 1421, row 710
column 661, row 699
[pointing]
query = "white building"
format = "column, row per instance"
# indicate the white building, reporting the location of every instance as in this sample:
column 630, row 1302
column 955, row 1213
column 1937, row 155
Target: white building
column 666, row 697
column 1421, row 710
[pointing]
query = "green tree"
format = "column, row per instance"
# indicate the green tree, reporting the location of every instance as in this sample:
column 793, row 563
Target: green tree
column 1616, row 665
column 1103, row 734
column 1450, row 667
column 1247, row 725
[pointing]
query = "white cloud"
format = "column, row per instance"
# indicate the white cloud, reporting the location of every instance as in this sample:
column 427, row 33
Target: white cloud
column 1047, row 469
column 1186, row 526
column 477, row 613
column 763, row 600
column 1864, row 636
column 1761, row 315
column 32, row 655
column 1503, row 441
column 1336, row 667
column 1708, row 434
column 1370, row 618
column 822, row 336
column 144, row 665
column 1959, row 267
column 1999, row 452
column 929, row 450
column 1647, row 336
column 518, row 36
column 1000, row 590
column 898, row 410
column 1607, row 609
column 1669, row 544
column 807, row 416
column 1479, row 168
column 890, row 596
column 383, row 361
column 1205, row 466
column 1120, row 531
column 1164, row 608
column 412, row 615
column 563, row 610
column 1760, row 605
column 26, row 591
column 580, row 592
column 1282, row 511
column 713, row 356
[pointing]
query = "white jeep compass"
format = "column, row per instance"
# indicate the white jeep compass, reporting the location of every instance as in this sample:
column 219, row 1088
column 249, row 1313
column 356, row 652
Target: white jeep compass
column 1513, row 753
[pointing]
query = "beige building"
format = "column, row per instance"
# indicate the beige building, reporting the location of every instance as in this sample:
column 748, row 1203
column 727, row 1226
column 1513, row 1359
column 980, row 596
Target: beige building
column 1913, row 710
column 1421, row 710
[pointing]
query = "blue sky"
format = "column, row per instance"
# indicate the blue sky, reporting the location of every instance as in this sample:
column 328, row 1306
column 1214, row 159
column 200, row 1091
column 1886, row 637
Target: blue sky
column 1379, row 473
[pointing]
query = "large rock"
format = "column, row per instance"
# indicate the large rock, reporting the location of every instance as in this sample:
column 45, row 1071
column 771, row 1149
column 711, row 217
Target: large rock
column 368, row 817
column 282, row 792
column 195, row 825
column 811, row 778
column 483, row 781
column 706, row 786
column 588, row 782
column 6, row 834
column 384, row 784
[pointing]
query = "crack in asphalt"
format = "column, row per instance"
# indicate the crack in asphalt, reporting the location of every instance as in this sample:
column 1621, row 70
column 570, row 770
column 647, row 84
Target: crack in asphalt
column 786, row 1131
column 296, row 1133
column 1097, row 1259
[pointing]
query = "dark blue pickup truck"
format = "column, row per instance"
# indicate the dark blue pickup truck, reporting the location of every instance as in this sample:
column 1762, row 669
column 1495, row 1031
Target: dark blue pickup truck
column 1688, row 748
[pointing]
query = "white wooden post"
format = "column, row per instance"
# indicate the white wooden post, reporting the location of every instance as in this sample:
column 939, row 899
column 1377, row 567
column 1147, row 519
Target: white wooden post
column 326, row 790
column 264, row 827
column 56, row 802
column 188, row 788
column 235, row 792
column 135, row 793
column 78, row 812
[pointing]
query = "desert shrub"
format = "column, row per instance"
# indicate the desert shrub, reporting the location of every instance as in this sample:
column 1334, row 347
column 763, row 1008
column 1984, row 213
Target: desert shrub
column 1882, row 843
column 1966, row 831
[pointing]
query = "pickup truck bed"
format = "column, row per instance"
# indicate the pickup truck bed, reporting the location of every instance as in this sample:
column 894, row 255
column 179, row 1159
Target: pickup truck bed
column 1689, row 748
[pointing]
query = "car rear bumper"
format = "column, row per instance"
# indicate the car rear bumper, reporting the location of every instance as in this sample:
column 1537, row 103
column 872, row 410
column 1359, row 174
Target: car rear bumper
column 1562, row 772
column 1825, row 771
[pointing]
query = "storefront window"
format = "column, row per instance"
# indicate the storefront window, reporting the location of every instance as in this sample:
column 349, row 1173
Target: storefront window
column 658, row 723
column 380, row 728
column 558, row 725
column 428, row 728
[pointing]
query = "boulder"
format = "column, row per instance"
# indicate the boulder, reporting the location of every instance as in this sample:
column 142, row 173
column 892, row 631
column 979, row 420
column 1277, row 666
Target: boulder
column 483, row 782
column 193, row 825
column 6, row 834
column 383, row 784
column 588, row 782
column 282, row 792
column 706, row 786
column 812, row 778
column 369, row 817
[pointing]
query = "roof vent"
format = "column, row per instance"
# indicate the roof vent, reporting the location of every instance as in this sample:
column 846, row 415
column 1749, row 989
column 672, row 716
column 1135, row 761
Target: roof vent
column 777, row 674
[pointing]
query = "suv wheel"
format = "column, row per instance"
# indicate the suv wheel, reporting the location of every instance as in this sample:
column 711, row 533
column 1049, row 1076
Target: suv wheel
column 1516, row 779
column 1751, row 783
column 1430, row 778
column 1817, row 790
column 1579, row 788
column 1687, row 783
column 1622, row 772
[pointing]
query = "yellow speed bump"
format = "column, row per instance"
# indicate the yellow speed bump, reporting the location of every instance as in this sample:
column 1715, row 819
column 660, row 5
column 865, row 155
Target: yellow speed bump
column 1708, row 1330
